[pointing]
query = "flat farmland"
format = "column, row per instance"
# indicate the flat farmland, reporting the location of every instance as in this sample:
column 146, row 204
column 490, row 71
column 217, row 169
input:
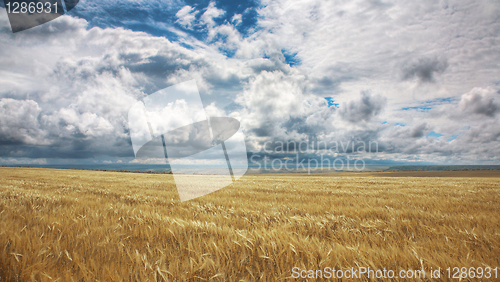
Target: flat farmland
column 75, row 225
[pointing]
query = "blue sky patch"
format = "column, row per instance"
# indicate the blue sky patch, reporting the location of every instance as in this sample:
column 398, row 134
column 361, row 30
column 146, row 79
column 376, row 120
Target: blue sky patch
column 155, row 17
column 150, row 17
column 434, row 135
column 425, row 106
column 420, row 108
column 246, row 8
column 331, row 102
column 227, row 52
column 291, row 58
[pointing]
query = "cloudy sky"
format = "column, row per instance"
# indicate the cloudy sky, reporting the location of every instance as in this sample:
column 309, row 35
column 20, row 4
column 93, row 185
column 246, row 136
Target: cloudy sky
column 419, row 78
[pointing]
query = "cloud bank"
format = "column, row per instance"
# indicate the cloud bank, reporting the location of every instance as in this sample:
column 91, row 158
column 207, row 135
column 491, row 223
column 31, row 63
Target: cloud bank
column 420, row 79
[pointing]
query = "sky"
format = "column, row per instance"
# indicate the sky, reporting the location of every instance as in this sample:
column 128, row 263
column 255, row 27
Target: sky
column 420, row 79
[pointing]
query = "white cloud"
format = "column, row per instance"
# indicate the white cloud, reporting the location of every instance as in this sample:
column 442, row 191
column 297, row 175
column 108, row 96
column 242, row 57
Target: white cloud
column 210, row 14
column 186, row 16
column 236, row 19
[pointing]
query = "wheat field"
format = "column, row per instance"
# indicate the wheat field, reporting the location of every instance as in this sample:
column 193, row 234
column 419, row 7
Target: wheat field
column 74, row 225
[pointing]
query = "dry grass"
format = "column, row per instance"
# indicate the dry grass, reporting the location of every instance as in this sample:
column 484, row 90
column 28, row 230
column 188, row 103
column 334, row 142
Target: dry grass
column 70, row 225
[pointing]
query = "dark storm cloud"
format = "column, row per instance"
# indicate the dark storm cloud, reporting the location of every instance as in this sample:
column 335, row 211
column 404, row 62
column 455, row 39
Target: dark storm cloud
column 480, row 103
column 160, row 66
column 299, row 125
column 19, row 122
column 424, row 69
column 75, row 149
column 164, row 64
column 268, row 64
column 265, row 130
column 418, row 130
column 333, row 77
column 401, row 134
column 367, row 107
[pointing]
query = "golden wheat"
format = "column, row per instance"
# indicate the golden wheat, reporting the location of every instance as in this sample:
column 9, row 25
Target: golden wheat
column 71, row 225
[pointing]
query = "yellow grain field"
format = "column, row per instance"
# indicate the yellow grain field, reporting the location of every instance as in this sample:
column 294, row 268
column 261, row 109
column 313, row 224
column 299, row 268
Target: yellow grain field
column 73, row 225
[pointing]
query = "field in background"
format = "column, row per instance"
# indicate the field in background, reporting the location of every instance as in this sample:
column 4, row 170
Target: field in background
column 72, row 225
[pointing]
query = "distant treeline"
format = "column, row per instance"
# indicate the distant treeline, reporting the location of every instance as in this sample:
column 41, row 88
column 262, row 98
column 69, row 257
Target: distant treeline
column 131, row 171
column 444, row 168
column 110, row 170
